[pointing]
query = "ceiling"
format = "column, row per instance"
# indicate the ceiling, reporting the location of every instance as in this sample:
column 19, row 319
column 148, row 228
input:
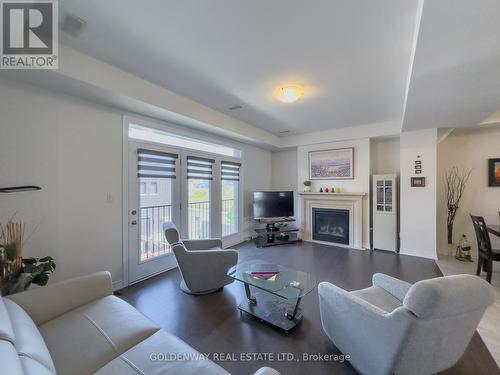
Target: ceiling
column 455, row 78
column 352, row 57
column 419, row 64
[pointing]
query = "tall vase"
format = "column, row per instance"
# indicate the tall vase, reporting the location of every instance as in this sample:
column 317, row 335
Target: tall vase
column 450, row 234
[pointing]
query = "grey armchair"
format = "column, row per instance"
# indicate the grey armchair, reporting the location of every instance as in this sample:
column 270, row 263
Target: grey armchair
column 394, row 327
column 203, row 263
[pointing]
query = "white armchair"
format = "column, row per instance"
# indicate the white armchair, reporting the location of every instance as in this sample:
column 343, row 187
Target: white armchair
column 203, row 263
column 394, row 327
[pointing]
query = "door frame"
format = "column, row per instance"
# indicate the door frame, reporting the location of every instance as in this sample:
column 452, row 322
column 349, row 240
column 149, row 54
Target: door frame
column 181, row 131
column 215, row 228
column 160, row 263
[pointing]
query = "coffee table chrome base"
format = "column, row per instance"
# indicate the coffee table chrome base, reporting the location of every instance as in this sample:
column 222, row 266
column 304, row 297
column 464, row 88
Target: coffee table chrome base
column 250, row 298
column 272, row 310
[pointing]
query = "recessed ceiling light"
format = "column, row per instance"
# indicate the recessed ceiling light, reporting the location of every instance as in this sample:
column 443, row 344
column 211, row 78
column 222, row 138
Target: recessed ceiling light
column 289, row 93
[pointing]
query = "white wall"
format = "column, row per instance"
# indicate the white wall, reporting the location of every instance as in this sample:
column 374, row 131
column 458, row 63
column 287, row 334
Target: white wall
column 418, row 204
column 257, row 176
column 469, row 149
column 384, row 159
column 73, row 149
column 284, row 174
column 384, row 155
column 360, row 183
column 284, row 170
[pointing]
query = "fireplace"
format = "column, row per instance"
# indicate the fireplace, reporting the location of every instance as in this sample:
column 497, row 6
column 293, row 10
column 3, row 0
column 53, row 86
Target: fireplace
column 330, row 225
column 350, row 203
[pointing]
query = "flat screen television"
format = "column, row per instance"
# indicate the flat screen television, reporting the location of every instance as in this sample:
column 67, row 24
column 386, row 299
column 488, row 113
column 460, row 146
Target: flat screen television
column 272, row 204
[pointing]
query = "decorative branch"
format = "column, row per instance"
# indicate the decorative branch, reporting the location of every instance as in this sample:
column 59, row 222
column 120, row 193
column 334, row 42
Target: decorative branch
column 455, row 183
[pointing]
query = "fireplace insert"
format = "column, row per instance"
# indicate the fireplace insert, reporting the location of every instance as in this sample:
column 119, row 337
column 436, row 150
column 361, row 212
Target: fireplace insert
column 330, row 225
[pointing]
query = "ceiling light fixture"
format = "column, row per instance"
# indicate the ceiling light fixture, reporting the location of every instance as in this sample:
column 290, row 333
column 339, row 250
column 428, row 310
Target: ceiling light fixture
column 289, row 93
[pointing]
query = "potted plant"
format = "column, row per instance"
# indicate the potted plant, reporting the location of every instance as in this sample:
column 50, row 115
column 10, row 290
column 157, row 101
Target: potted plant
column 307, row 186
column 18, row 273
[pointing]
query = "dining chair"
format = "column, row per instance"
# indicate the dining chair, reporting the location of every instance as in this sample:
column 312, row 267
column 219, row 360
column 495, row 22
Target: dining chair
column 486, row 255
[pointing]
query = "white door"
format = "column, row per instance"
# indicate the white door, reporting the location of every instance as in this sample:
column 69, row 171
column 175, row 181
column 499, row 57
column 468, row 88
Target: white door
column 385, row 212
column 154, row 198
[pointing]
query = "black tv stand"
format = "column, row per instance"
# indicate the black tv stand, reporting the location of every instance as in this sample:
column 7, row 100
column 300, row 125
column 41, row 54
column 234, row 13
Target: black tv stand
column 271, row 227
column 278, row 231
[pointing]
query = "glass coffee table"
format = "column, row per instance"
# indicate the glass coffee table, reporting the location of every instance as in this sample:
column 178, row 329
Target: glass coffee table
column 280, row 305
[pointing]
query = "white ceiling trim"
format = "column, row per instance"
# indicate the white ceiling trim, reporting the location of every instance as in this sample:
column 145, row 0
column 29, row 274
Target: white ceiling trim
column 381, row 129
column 418, row 18
column 455, row 67
column 85, row 77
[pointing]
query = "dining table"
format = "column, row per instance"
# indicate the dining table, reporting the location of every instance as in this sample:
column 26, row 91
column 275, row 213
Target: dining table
column 494, row 229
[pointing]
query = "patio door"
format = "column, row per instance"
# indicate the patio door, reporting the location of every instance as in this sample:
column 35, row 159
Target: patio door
column 154, row 198
column 200, row 197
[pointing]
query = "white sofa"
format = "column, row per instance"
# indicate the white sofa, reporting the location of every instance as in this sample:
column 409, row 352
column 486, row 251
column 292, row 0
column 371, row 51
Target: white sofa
column 79, row 327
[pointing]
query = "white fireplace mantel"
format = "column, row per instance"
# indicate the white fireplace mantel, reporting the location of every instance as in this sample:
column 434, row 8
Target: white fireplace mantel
column 333, row 195
column 351, row 201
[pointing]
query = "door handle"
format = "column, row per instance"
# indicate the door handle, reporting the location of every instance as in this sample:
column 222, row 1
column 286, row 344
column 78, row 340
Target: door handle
column 133, row 222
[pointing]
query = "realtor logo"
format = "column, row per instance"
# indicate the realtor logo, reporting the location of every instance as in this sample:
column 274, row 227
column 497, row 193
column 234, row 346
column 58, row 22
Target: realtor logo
column 29, row 37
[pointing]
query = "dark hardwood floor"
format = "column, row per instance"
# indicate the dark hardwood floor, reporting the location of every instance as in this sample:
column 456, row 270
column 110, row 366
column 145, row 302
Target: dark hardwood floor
column 212, row 324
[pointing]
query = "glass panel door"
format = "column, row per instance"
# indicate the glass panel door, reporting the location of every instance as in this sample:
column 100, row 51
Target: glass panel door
column 199, row 189
column 154, row 199
column 199, row 208
column 230, row 179
column 229, row 207
column 155, row 205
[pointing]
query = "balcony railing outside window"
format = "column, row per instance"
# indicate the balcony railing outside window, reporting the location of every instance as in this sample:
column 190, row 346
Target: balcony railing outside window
column 153, row 242
column 229, row 219
column 199, row 220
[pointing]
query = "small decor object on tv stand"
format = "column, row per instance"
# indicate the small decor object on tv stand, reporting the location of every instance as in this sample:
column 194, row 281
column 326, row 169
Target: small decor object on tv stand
column 283, row 237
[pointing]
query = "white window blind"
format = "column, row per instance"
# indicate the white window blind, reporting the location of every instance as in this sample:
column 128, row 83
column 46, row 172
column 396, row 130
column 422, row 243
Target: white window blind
column 230, row 171
column 199, row 168
column 156, row 164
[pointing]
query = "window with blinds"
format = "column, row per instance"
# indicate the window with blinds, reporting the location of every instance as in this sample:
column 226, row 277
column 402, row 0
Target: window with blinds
column 230, row 171
column 199, row 168
column 156, row 164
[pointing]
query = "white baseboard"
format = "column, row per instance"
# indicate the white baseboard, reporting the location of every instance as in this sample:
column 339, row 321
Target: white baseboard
column 118, row 284
column 415, row 253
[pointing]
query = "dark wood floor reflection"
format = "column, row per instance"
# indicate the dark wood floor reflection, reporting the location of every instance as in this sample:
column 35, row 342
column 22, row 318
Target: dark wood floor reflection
column 212, row 324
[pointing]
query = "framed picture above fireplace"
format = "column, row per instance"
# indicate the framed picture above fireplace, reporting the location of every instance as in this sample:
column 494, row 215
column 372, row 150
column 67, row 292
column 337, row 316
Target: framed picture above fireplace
column 337, row 164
